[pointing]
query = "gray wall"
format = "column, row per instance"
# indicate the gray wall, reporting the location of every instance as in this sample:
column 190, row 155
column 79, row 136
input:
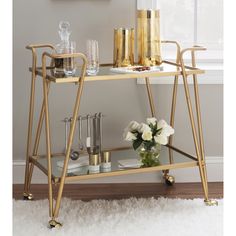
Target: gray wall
column 120, row 101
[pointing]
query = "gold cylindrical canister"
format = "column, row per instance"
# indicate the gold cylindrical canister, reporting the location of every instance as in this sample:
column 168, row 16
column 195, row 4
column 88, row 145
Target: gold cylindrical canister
column 149, row 43
column 106, row 157
column 94, row 160
column 123, row 54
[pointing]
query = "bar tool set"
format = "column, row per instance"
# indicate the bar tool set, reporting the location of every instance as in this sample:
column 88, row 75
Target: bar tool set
column 93, row 142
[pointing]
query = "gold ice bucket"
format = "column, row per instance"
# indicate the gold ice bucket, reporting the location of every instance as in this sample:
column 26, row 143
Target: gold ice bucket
column 149, row 43
column 123, row 54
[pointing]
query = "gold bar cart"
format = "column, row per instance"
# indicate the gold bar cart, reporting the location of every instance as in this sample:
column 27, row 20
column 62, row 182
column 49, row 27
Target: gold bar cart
column 47, row 162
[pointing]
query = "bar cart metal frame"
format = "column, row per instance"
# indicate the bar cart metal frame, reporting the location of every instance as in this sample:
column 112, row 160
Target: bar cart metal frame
column 32, row 150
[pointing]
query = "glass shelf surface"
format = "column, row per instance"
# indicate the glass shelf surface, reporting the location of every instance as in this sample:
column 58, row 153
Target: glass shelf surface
column 106, row 70
column 115, row 157
column 105, row 73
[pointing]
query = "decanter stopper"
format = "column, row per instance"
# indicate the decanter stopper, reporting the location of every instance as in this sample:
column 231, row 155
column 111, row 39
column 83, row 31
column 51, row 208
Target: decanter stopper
column 64, row 31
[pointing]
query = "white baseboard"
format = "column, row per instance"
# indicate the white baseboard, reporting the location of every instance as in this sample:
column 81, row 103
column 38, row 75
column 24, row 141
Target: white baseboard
column 214, row 172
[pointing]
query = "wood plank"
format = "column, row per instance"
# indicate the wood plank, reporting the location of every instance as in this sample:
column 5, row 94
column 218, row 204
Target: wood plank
column 112, row 191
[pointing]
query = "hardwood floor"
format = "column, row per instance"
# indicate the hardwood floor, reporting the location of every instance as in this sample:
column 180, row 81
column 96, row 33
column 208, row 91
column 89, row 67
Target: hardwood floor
column 89, row 192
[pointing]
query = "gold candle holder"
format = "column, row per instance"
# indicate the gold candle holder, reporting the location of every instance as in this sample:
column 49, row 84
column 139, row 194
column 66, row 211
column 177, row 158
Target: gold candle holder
column 106, row 157
column 94, row 163
column 123, row 54
column 149, row 43
column 106, row 161
column 94, row 160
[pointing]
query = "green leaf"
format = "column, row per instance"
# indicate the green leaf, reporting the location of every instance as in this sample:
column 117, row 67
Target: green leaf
column 149, row 144
column 157, row 131
column 151, row 126
column 154, row 127
column 136, row 143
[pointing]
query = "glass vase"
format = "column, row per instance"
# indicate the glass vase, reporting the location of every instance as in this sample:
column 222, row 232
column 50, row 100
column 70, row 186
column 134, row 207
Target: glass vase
column 149, row 157
column 92, row 53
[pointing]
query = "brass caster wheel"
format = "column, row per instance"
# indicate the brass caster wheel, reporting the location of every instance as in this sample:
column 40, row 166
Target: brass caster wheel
column 54, row 224
column 211, row 202
column 28, row 196
column 169, row 180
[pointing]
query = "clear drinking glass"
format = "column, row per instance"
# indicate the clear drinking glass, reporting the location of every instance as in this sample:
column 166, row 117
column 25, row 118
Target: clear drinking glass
column 69, row 63
column 92, row 57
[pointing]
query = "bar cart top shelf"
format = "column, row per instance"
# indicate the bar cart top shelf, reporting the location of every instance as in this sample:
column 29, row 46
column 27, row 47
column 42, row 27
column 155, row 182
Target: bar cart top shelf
column 167, row 69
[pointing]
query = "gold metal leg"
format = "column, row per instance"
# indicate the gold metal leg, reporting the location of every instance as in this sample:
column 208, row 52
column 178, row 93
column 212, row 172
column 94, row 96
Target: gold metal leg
column 188, row 99
column 200, row 130
column 71, row 136
column 53, row 213
column 30, row 165
column 199, row 120
column 37, row 138
column 26, row 193
column 48, row 146
column 208, row 202
column 150, row 97
column 172, row 116
column 169, row 179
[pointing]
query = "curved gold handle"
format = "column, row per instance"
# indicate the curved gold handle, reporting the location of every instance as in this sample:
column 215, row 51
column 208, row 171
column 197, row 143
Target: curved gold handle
column 177, row 48
column 192, row 49
column 34, row 46
column 56, row 56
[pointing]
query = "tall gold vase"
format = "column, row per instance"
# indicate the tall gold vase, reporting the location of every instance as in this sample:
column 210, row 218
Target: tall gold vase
column 123, row 54
column 149, row 43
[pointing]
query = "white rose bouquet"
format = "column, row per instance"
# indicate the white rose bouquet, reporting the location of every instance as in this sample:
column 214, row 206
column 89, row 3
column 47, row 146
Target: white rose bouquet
column 152, row 134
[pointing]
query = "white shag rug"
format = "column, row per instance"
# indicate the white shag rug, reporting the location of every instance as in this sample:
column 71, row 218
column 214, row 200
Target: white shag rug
column 128, row 217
